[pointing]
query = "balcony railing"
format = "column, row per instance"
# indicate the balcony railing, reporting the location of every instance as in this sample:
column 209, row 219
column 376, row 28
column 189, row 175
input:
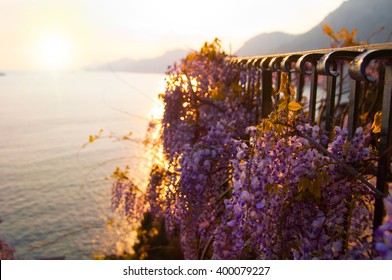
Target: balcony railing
column 365, row 70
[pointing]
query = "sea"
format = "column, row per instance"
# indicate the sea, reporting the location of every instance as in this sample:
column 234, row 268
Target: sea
column 55, row 186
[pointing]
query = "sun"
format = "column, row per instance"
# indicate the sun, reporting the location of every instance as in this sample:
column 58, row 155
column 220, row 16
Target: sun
column 54, row 52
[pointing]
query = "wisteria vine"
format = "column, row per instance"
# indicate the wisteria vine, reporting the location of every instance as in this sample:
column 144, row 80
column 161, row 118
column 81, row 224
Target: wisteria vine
column 232, row 187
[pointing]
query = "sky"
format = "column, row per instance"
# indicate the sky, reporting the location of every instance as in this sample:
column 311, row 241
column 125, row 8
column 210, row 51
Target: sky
column 72, row 34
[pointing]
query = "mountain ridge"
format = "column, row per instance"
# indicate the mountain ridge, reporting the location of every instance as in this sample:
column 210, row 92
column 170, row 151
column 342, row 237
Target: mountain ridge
column 367, row 17
column 151, row 65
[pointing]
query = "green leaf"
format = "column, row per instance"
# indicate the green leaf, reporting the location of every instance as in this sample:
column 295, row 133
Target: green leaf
column 284, row 82
column 276, row 189
column 279, row 128
column 291, row 90
column 266, row 126
column 294, row 106
column 282, row 105
column 268, row 188
column 302, row 184
column 376, row 126
column 315, row 188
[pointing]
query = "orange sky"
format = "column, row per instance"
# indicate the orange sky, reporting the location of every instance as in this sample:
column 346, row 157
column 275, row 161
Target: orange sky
column 70, row 34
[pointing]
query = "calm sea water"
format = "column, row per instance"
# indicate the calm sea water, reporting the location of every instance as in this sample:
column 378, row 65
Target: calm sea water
column 54, row 200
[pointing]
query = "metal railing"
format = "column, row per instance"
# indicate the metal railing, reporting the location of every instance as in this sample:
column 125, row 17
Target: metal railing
column 360, row 68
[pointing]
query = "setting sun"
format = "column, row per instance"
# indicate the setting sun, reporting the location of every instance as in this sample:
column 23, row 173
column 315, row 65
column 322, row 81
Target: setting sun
column 54, row 52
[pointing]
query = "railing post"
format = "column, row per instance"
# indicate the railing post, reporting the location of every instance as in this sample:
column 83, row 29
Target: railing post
column 274, row 66
column 353, row 107
column 300, row 86
column 286, row 66
column 357, row 71
column 330, row 107
column 385, row 144
column 257, row 92
column 311, row 58
column 324, row 67
column 266, row 93
column 277, row 86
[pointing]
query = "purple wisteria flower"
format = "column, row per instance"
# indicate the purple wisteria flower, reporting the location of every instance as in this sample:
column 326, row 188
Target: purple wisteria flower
column 384, row 232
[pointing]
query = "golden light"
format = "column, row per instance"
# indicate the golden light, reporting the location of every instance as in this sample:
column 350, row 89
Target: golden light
column 186, row 82
column 54, row 52
column 158, row 109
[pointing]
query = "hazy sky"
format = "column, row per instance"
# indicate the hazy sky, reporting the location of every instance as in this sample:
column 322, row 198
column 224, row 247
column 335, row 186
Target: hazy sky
column 70, row 34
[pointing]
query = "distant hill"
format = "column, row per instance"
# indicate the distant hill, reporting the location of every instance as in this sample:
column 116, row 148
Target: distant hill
column 152, row 65
column 265, row 41
column 368, row 16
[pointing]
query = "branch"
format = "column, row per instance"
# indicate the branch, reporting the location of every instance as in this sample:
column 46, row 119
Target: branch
column 206, row 101
column 348, row 168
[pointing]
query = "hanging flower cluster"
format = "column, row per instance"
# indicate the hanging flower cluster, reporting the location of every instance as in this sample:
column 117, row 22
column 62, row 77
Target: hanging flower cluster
column 127, row 199
column 384, row 232
column 205, row 108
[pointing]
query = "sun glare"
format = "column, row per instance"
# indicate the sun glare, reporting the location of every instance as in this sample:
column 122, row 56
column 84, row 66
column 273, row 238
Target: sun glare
column 54, row 52
column 158, row 109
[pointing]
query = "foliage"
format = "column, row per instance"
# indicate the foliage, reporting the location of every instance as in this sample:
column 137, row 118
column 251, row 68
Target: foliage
column 153, row 242
column 343, row 38
column 376, row 126
column 109, row 135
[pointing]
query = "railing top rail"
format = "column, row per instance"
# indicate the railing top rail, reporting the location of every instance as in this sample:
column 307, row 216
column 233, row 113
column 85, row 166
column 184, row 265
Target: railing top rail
column 359, row 48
